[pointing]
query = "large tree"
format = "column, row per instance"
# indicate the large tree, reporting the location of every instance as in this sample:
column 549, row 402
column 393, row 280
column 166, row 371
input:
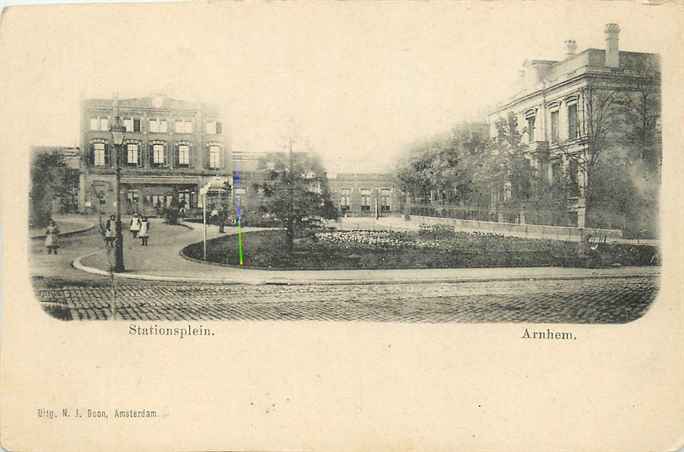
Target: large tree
column 295, row 190
column 48, row 184
column 445, row 168
column 622, row 151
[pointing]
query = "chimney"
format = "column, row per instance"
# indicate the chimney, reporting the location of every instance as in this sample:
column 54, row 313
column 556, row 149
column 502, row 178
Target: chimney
column 612, row 48
column 570, row 47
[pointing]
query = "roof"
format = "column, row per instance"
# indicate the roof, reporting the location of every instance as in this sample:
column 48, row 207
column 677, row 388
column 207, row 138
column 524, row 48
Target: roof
column 155, row 102
column 589, row 61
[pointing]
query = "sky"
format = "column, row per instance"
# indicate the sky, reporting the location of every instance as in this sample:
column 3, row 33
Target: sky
column 359, row 81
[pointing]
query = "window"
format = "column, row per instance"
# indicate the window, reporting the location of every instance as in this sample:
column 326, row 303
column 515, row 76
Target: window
column 385, row 196
column 158, row 125
column 183, row 154
column 213, row 127
column 530, row 128
column 128, row 124
column 185, row 199
column 214, row 157
column 99, row 123
column 158, row 154
column 365, row 200
column 183, row 126
column 345, row 199
column 132, row 154
column 554, row 126
column 133, row 197
column 507, row 191
column 99, row 151
column 572, row 122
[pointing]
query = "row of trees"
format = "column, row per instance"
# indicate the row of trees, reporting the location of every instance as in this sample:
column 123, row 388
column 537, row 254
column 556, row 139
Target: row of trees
column 617, row 171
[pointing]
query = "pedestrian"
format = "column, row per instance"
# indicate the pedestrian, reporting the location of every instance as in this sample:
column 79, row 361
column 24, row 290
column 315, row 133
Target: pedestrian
column 135, row 225
column 144, row 232
column 213, row 216
column 110, row 227
column 52, row 237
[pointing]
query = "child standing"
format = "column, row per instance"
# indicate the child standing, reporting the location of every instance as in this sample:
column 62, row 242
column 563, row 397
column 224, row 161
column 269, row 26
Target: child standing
column 144, row 232
column 52, row 237
column 135, row 225
column 109, row 232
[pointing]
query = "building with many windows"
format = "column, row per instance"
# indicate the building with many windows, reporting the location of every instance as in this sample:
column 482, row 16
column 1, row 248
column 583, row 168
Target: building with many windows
column 567, row 109
column 365, row 194
column 171, row 149
column 353, row 194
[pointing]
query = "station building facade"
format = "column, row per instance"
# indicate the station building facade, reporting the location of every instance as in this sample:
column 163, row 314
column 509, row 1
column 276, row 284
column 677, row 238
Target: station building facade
column 171, row 148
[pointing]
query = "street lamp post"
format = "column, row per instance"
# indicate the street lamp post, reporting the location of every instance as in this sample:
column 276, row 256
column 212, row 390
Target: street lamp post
column 117, row 131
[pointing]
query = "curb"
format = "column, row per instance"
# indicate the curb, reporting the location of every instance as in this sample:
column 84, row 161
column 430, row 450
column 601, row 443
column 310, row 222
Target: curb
column 339, row 282
column 67, row 234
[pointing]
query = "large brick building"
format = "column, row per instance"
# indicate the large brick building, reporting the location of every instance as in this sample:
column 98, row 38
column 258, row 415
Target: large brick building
column 365, row 194
column 171, row 148
column 557, row 110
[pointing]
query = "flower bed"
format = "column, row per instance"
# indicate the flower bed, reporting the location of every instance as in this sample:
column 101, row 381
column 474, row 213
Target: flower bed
column 386, row 250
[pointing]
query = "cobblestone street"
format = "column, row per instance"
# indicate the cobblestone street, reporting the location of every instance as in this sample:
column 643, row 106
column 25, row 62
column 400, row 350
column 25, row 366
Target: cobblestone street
column 612, row 300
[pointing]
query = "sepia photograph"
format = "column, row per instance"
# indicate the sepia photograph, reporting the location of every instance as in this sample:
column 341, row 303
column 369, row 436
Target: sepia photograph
column 342, row 226
column 375, row 184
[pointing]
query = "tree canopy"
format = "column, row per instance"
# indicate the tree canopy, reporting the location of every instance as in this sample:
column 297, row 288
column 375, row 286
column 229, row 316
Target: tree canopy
column 295, row 190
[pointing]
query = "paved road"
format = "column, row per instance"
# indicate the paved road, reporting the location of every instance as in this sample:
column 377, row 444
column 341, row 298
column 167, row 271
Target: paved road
column 615, row 300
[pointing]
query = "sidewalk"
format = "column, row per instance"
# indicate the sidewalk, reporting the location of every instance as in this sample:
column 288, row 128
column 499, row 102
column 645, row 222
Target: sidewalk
column 161, row 261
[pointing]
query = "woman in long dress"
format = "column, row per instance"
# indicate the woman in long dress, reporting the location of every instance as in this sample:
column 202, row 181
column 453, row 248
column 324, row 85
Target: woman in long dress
column 52, row 237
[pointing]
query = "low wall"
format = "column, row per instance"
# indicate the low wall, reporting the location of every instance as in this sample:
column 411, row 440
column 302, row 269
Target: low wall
column 522, row 230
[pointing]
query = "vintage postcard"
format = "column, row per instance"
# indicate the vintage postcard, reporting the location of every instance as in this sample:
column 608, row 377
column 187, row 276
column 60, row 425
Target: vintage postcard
column 342, row 226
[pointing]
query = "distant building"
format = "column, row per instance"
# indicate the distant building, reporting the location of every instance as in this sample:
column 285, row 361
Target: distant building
column 171, row 149
column 353, row 194
column 555, row 113
column 361, row 194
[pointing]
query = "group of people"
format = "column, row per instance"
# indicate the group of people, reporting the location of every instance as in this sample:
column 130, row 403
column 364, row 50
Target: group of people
column 139, row 228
